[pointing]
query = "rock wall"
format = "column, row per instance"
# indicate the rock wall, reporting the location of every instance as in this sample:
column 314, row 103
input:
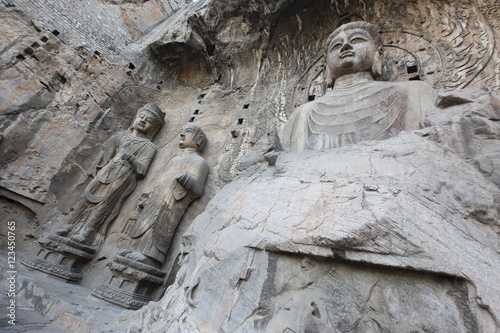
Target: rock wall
column 72, row 73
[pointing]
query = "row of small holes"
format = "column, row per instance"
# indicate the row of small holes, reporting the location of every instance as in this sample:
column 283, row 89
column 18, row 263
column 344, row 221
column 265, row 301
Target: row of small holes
column 29, row 50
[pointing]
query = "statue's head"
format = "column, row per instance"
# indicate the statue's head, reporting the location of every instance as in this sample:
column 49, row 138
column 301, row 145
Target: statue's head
column 351, row 48
column 192, row 136
column 148, row 120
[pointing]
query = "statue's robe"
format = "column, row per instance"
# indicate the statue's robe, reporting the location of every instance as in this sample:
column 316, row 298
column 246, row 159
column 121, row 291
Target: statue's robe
column 366, row 111
column 167, row 203
column 114, row 180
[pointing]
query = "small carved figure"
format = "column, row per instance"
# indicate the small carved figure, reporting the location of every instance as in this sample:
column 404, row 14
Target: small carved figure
column 124, row 158
column 358, row 108
column 181, row 182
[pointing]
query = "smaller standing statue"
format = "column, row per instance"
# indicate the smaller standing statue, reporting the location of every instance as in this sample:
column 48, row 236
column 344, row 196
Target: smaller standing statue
column 137, row 270
column 123, row 159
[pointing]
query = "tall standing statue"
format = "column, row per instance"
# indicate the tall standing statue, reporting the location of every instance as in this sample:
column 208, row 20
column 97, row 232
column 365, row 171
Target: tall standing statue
column 358, row 108
column 124, row 158
column 137, row 269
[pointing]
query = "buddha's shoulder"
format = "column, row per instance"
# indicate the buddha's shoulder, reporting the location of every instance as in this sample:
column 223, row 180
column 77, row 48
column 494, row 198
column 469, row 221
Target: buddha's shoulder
column 408, row 86
column 305, row 108
column 337, row 97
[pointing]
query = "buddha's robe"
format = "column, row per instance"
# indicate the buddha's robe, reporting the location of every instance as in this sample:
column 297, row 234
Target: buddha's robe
column 366, row 111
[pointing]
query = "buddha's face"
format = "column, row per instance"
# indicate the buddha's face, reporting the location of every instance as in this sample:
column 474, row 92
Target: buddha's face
column 351, row 51
column 187, row 138
column 144, row 121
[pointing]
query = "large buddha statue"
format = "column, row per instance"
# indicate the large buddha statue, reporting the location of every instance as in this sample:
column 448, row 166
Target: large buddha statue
column 359, row 107
column 396, row 235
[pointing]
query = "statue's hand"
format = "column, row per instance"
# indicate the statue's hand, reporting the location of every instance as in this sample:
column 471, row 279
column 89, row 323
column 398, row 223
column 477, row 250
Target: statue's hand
column 91, row 172
column 128, row 157
column 182, row 178
column 186, row 180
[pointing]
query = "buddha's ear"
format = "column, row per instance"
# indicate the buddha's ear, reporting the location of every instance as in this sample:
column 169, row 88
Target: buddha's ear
column 377, row 62
column 329, row 78
column 199, row 140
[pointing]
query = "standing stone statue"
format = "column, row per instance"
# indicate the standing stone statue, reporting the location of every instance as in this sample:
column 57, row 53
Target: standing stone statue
column 137, row 270
column 124, row 158
column 358, row 108
column 181, row 181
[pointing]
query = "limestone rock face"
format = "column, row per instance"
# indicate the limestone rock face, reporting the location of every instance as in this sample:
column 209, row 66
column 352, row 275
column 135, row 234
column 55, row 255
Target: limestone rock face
column 383, row 236
column 50, row 97
column 390, row 236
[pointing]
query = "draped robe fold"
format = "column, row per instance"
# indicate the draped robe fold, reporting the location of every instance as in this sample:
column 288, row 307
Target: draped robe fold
column 114, row 180
column 367, row 111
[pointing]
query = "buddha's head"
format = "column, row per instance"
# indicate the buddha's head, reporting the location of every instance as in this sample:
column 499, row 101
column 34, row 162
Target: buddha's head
column 353, row 47
column 148, row 120
column 192, row 136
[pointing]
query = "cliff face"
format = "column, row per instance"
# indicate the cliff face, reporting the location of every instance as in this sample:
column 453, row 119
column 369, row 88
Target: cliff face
column 74, row 72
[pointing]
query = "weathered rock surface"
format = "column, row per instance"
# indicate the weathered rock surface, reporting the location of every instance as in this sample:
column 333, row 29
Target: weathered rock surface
column 41, row 306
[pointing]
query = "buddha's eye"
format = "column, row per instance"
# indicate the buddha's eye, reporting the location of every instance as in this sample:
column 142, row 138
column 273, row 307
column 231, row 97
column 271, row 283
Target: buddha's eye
column 358, row 40
column 336, row 46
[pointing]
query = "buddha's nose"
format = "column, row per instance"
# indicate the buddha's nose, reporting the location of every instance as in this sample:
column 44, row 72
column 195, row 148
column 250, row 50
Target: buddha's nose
column 345, row 47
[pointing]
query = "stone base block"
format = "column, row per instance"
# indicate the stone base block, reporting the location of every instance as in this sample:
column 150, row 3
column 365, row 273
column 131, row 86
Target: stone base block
column 51, row 268
column 129, row 300
column 132, row 283
column 61, row 257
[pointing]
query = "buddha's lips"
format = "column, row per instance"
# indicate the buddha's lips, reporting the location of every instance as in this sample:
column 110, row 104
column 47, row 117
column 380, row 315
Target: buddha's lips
column 346, row 54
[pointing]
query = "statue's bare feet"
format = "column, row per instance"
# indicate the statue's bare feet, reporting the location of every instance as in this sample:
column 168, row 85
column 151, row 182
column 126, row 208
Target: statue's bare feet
column 124, row 253
column 78, row 238
column 63, row 231
column 137, row 256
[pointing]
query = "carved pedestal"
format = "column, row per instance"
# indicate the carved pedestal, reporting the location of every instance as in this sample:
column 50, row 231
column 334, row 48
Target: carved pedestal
column 61, row 257
column 131, row 284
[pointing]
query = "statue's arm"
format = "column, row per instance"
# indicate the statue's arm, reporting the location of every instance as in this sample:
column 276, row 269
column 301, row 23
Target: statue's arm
column 194, row 180
column 105, row 154
column 294, row 135
column 142, row 162
column 422, row 97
